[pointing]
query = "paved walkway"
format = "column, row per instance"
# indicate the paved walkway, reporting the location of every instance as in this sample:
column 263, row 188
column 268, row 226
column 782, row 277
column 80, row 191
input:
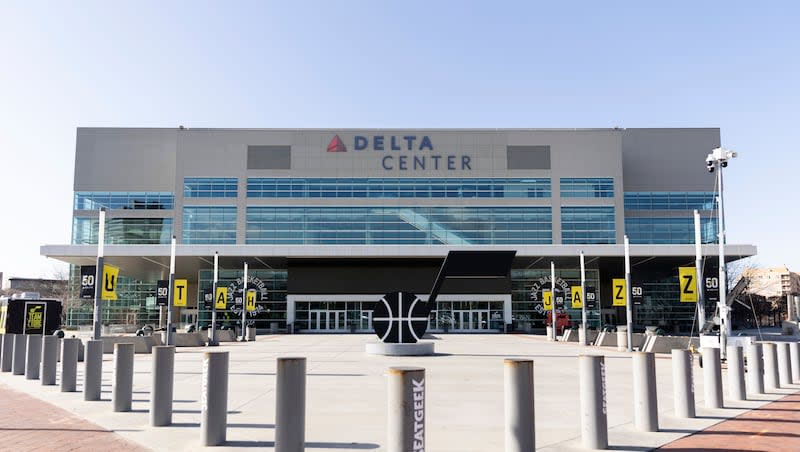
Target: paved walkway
column 29, row 424
column 773, row 427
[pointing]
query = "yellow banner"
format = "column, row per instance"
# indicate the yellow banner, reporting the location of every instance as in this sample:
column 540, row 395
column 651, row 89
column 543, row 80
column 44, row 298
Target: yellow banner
column 619, row 297
column 180, row 292
column 250, row 302
column 547, row 298
column 109, row 289
column 577, row 297
column 688, row 281
column 222, row 298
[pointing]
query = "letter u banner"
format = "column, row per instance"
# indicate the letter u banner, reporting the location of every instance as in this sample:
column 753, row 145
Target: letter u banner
column 109, row 287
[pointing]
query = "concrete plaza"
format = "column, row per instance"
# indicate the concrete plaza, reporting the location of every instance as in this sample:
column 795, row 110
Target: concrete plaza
column 347, row 393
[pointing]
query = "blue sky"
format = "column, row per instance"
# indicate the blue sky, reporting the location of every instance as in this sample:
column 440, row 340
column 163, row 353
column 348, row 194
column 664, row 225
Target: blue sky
column 733, row 65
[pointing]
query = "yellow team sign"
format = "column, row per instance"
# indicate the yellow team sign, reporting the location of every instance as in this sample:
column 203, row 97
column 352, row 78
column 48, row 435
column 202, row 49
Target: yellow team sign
column 221, row 300
column 250, row 301
column 547, row 299
column 688, row 281
column 180, row 292
column 620, row 298
column 577, row 297
column 109, row 289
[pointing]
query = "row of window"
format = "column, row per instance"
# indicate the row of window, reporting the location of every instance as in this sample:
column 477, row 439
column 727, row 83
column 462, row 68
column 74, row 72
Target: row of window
column 395, row 225
column 397, row 188
column 123, row 231
column 210, row 187
column 597, row 187
column 669, row 230
column 85, row 200
column 670, row 200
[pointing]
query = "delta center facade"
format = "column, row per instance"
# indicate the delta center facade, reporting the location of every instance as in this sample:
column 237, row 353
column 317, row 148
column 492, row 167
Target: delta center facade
column 329, row 220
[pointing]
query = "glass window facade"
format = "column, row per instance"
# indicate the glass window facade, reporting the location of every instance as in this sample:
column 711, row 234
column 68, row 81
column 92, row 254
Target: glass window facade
column 529, row 313
column 210, row 187
column 669, row 230
column 399, row 225
column 270, row 301
column 587, row 187
column 589, row 224
column 91, row 200
column 209, row 225
column 123, row 231
column 397, row 188
column 703, row 200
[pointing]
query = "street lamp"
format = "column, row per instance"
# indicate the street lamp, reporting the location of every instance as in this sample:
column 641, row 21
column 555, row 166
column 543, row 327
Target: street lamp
column 716, row 160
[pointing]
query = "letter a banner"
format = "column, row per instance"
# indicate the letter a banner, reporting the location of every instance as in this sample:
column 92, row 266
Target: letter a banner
column 577, row 297
column 179, row 294
column 109, row 289
column 688, row 279
column 619, row 297
column 221, row 299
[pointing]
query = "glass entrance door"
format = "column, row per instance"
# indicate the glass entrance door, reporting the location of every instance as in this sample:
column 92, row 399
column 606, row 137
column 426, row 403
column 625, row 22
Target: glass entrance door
column 337, row 320
column 326, row 320
column 479, row 320
column 366, row 320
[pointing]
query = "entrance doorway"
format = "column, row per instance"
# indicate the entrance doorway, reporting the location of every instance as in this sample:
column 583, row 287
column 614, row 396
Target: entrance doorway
column 472, row 320
column 327, row 320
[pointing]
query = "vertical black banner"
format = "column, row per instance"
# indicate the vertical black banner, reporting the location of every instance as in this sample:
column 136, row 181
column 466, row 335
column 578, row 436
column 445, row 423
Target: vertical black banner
column 162, row 292
column 88, row 273
column 590, row 298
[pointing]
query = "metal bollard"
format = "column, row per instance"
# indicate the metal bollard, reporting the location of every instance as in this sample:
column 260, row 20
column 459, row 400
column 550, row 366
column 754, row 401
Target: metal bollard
column 49, row 360
column 122, row 386
column 290, row 405
column 594, row 417
column 8, row 352
column 69, row 364
column 784, row 364
column 622, row 340
column 214, row 399
column 794, row 352
column 645, row 402
column 163, row 380
column 712, row 377
column 520, row 434
column 34, row 356
column 93, row 370
column 18, row 364
column 683, row 383
column 755, row 369
column 770, row 366
column 736, row 389
column 406, row 413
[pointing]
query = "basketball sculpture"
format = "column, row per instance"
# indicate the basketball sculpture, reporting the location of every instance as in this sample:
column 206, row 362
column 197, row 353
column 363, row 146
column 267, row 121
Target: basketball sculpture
column 400, row 318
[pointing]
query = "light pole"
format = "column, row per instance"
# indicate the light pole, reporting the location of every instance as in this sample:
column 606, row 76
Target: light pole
column 716, row 160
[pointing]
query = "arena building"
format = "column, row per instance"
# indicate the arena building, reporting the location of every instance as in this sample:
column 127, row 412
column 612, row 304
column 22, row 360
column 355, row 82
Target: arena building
column 329, row 220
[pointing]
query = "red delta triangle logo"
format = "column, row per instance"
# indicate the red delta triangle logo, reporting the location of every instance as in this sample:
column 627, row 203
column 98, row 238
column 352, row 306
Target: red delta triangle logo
column 337, row 145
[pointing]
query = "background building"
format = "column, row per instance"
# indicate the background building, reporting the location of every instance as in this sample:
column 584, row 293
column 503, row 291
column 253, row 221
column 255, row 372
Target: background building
column 330, row 220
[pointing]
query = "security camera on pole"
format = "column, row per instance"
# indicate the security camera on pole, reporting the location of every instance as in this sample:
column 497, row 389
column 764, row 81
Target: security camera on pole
column 716, row 160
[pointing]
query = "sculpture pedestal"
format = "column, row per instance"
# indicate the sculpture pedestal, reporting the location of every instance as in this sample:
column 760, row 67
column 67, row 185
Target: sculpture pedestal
column 417, row 349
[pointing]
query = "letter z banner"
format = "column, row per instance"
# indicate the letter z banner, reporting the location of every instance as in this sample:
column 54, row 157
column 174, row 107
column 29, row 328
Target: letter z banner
column 618, row 295
column 688, row 282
